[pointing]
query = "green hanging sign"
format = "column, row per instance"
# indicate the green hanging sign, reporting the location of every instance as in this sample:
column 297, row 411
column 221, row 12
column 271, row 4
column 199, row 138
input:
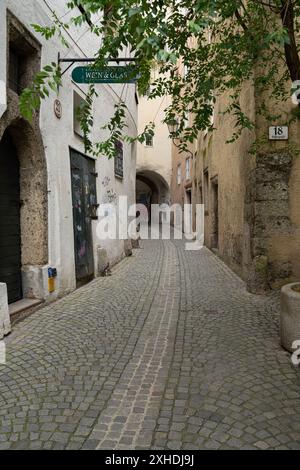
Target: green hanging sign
column 109, row 74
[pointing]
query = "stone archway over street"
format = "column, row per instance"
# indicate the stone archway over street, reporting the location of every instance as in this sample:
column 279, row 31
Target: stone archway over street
column 151, row 188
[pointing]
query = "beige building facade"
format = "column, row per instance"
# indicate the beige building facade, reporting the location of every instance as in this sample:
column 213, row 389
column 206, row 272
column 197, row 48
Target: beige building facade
column 183, row 163
column 182, row 174
column 154, row 157
column 251, row 193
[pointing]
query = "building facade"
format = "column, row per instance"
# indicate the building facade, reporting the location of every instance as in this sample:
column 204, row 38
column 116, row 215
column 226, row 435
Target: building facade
column 250, row 190
column 154, row 164
column 182, row 176
column 183, row 166
column 50, row 188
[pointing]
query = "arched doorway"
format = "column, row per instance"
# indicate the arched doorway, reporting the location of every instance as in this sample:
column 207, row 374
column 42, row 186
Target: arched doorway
column 23, row 209
column 10, row 229
column 151, row 188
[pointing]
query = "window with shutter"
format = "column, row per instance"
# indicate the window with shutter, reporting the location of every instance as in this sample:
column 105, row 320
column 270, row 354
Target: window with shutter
column 119, row 160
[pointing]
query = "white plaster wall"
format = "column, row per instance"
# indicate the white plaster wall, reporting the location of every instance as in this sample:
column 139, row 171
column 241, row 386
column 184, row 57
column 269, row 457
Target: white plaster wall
column 58, row 135
column 4, row 315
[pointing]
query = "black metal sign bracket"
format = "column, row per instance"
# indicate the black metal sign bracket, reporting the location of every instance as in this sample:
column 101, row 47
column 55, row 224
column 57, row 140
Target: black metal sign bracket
column 72, row 61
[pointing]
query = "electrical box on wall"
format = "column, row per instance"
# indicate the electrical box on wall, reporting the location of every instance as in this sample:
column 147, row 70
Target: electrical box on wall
column 52, row 274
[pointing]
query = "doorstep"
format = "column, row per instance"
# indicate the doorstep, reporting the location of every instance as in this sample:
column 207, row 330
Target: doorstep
column 21, row 305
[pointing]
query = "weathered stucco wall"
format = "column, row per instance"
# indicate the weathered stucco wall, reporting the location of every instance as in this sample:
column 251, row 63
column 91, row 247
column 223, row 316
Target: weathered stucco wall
column 258, row 200
column 183, row 192
column 227, row 166
column 27, row 140
column 44, row 149
column 277, row 193
column 178, row 191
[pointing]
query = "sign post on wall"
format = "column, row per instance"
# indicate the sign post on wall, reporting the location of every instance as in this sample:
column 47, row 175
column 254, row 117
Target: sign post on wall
column 108, row 74
column 126, row 73
column 278, row 133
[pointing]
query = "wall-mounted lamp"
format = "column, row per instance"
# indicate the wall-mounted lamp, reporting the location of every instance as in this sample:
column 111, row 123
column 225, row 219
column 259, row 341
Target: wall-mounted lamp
column 173, row 126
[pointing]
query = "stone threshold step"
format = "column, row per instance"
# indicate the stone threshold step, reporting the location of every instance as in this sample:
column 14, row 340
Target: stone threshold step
column 22, row 305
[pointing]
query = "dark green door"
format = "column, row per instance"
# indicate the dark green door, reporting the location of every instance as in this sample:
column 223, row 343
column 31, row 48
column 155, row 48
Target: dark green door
column 10, row 232
column 84, row 209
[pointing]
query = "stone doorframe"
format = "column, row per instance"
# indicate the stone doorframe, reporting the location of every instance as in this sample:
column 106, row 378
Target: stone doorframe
column 27, row 139
column 33, row 202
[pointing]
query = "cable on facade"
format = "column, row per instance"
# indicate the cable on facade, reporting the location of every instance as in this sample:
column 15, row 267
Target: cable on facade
column 85, row 55
column 159, row 108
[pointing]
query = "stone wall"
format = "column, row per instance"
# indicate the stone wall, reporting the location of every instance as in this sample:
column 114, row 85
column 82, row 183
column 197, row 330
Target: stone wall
column 28, row 142
column 228, row 165
column 269, row 197
column 259, row 195
column 27, row 139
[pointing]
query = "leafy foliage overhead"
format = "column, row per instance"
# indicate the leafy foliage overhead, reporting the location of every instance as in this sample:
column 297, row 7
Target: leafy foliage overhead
column 218, row 44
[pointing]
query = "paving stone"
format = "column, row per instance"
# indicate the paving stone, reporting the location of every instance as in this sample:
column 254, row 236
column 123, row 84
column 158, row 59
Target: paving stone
column 169, row 352
column 90, row 444
column 60, row 437
column 261, row 445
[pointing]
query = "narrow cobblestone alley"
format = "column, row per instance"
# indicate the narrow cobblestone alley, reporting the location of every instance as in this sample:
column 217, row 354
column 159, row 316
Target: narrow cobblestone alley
column 170, row 352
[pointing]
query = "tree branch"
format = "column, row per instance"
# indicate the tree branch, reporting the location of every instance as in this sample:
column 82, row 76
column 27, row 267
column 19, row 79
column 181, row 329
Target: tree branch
column 291, row 52
column 241, row 20
column 269, row 5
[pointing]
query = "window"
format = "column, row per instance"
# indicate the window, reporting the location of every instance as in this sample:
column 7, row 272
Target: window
column 149, row 140
column 23, row 56
column 179, row 174
column 188, row 168
column 14, row 71
column 119, row 160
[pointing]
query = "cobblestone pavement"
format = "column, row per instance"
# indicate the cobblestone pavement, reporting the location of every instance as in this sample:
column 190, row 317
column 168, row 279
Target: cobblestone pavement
column 170, row 352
